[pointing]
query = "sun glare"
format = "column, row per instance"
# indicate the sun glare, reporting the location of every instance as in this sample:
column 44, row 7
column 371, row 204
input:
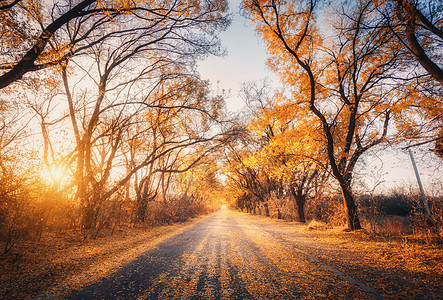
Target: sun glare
column 57, row 173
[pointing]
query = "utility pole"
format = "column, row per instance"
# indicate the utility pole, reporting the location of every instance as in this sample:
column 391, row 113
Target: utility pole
column 417, row 175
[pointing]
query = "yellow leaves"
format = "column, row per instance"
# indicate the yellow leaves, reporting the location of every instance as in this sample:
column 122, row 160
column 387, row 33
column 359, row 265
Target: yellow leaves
column 288, row 21
column 351, row 95
column 136, row 143
column 293, row 144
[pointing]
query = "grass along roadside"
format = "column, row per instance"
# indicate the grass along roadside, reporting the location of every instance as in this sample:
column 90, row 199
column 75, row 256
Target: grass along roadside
column 396, row 267
column 56, row 265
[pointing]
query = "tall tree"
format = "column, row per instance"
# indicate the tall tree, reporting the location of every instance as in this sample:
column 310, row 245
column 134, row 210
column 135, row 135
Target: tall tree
column 417, row 25
column 40, row 34
column 292, row 152
column 289, row 150
column 343, row 81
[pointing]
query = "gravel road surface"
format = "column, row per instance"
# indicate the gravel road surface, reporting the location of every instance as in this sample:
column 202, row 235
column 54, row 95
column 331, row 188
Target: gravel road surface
column 227, row 256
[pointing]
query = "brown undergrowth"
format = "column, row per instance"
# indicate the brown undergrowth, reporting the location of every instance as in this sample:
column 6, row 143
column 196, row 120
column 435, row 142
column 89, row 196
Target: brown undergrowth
column 398, row 266
column 59, row 263
column 406, row 250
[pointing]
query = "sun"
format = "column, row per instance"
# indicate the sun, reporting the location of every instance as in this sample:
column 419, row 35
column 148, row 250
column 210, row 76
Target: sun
column 57, row 173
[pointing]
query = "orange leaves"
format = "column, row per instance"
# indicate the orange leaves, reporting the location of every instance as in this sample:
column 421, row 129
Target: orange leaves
column 295, row 142
column 287, row 28
column 34, row 7
column 346, row 74
column 56, row 32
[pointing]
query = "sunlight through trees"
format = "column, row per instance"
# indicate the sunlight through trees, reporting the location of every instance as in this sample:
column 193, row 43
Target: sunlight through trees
column 106, row 123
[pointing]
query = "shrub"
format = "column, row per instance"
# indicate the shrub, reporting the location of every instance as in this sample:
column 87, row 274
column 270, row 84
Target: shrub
column 395, row 204
column 429, row 228
column 328, row 208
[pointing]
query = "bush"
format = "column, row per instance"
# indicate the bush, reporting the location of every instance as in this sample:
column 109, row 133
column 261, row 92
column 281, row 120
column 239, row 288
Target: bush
column 395, row 204
column 429, row 228
column 402, row 215
column 328, row 209
column 19, row 211
column 177, row 209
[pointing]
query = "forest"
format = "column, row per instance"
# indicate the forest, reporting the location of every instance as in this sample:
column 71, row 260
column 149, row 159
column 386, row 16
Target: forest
column 106, row 124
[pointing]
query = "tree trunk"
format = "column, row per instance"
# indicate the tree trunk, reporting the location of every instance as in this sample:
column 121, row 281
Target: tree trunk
column 266, row 209
column 301, row 210
column 416, row 48
column 351, row 214
column 89, row 218
column 141, row 211
column 300, row 201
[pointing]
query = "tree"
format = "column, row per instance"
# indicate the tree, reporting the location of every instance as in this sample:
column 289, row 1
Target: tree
column 292, row 154
column 249, row 185
column 20, row 187
column 160, row 133
column 344, row 82
column 203, row 183
column 418, row 32
column 417, row 26
column 138, row 69
column 40, row 34
column 288, row 150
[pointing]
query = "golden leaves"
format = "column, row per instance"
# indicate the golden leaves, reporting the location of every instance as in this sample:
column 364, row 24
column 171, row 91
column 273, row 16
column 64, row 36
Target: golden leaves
column 292, row 142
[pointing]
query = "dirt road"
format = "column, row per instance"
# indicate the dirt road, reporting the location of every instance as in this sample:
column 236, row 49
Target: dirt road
column 232, row 256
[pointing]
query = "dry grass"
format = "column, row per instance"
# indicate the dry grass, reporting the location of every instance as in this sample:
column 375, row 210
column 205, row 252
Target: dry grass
column 57, row 264
column 412, row 254
column 400, row 267
column 317, row 225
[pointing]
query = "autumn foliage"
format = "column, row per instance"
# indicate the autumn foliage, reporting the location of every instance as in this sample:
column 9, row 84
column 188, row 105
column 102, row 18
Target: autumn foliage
column 104, row 115
column 106, row 123
column 348, row 78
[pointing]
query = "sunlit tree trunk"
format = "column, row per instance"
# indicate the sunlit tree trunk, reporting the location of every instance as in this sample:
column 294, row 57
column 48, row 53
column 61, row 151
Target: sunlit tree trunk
column 351, row 212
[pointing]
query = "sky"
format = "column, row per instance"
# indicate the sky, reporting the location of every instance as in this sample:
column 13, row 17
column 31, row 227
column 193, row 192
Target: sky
column 246, row 61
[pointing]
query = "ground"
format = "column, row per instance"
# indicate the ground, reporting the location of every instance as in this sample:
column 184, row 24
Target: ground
column 64, row 262
column 226, row 255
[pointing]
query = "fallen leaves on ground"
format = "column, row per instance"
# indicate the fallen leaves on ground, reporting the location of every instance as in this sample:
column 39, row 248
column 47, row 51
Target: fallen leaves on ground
column 59, row 263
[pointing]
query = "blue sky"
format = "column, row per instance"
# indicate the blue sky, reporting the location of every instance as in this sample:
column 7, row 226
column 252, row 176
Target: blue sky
column 245, row 59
